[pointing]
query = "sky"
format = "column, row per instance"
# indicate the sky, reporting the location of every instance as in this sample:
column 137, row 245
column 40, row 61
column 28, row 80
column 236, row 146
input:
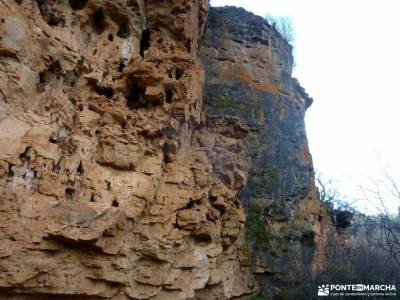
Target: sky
column 347, row 55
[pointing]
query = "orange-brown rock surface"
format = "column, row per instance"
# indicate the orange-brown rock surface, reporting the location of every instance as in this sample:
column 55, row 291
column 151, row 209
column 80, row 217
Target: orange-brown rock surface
column 248, row 68
column 112, row 183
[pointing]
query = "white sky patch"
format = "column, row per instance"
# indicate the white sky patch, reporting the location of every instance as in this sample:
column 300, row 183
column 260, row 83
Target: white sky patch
column 347, row 56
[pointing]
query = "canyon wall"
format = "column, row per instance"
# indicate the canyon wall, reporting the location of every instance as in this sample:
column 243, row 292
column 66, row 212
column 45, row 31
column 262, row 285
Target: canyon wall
column 249, row 77
column 116, row 184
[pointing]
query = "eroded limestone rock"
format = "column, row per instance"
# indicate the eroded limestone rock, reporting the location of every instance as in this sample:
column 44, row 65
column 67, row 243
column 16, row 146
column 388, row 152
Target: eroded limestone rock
column 108, row 168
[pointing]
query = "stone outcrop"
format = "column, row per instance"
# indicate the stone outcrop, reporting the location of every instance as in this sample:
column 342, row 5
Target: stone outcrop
column 116, row 184
column 248, row 76
column 112, row 183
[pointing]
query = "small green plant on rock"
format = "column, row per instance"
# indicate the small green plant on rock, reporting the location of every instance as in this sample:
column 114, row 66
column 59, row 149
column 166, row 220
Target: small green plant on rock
column 262, row 237
column 224, row 103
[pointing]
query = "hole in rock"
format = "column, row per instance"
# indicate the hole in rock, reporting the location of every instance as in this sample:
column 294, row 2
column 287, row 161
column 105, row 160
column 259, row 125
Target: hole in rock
column 176, row 225
column 135, row 96
column 121, row 67
column 115, row 203
column 189, row 45
column 42, row 82
column 69, row 193
column 50, row 14
column 26, row 154
column 92, row 199
column 53, row 139
column 123, row 30
column 144, row 41
column 56, row 21
column 203, row 237
column 108, row 185
column 80, row 169
column 55, row 68
column 99, row 23
column 212, row 198
column 108, row 92
column 178, row 73
column 169, row 95
column 190, row 204
column 10, row 172
column 48, row 76
column 78, row 4
column 57, row 167
column 110, row 37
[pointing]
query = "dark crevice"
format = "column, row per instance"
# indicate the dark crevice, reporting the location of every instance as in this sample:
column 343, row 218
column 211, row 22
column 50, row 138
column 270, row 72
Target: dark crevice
column 176, row 225
column 108, row 92
column 203, row 237
column 121, row 67
column 178, row 73
column 10, row 172
column 190, row 204
column 169, row 95
column 189, row 45
column 80, row 169
column 175, row 72
column 115, row 203
column 48, row 76
column 53, row 139
column 69, row 193
column 92, row 198
column 99, row 23
column 144, row 41
column 135, row 96
column 52, row 16
column 212, row 198
column 25, row 156
column 78, row 4
column 57, row 167
column 124, row 30
column 55, row 68
column 108, row 183
column 110, row 37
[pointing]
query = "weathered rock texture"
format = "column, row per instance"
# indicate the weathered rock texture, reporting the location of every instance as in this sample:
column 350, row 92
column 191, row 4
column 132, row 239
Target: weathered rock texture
column 248, row 76
column 112, row 183
column 115, row 185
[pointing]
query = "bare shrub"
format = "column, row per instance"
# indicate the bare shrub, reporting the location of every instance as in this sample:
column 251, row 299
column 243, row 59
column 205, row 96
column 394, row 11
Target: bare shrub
column 284, row 25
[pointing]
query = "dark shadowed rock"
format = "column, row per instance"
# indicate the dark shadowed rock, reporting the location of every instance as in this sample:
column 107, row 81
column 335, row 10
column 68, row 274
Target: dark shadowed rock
column 248, row 76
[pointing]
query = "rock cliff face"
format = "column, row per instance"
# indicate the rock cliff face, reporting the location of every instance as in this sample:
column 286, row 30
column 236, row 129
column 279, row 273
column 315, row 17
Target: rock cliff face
column 248, row 76
column 113, row 182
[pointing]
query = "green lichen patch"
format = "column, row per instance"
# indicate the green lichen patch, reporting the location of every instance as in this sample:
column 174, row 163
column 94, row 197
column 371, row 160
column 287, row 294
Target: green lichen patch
column 224, row 103
column 266, row 239
column 262, row 237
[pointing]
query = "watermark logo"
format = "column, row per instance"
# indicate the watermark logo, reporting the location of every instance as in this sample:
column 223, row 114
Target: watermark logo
column 323, row 290
column 368, row 290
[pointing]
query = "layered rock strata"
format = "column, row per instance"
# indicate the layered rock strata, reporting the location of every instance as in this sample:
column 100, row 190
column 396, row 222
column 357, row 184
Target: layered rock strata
column 113, row 182
column 249, row 76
